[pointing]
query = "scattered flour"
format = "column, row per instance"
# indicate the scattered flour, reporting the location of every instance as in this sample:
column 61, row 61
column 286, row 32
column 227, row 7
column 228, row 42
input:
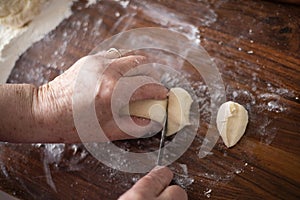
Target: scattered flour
column 181, row 176
column 166, row 18
column 91, row 2
column 270, row 101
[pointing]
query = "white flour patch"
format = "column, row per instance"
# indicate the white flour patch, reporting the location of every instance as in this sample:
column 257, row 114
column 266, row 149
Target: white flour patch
column 15, row 42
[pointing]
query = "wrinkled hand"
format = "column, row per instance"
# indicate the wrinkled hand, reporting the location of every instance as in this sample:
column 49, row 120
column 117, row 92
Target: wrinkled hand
column 155, row 186
column 54, row 101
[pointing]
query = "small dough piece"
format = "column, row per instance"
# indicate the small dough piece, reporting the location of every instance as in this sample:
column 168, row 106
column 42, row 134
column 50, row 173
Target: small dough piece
column 16, row 13
column 179, row 105
column 232, row 120
column 149, row 109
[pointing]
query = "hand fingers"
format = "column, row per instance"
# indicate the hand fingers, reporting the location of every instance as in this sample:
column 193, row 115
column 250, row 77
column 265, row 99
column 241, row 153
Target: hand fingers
column 124, row 64
column 141, row 88
column 154, row 182
column 115, row 133
column 114, row 71
column 173, row 192
column 129, row 89
column 112, row 53
column 150, row 91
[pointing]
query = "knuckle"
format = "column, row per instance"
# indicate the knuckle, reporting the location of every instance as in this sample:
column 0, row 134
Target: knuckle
column 154, row 180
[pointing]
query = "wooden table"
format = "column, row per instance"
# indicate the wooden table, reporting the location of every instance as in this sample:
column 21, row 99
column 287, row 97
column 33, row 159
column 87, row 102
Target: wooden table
column 255, row 45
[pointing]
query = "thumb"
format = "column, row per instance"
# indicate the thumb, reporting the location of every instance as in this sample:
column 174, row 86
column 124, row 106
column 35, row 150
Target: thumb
column 151, row 185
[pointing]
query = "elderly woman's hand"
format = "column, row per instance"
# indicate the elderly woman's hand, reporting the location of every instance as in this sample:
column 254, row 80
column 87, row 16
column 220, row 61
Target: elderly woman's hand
column 53, row 106
column 46, row 114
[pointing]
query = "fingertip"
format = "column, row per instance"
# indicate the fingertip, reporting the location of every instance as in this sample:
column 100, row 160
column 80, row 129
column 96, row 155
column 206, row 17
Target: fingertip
column 155, row 181
column 163, row 172
column 173, row 192
column 112, row 53
column 161, row 169
column 124, row 64
column 134, row 60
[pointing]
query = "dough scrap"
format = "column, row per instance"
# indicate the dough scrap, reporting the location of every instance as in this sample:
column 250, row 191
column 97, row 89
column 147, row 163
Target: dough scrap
column 16, row 13
column 179, row 104
column 232, row 120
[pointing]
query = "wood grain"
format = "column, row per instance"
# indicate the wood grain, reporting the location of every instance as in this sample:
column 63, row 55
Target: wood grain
column 255, row 45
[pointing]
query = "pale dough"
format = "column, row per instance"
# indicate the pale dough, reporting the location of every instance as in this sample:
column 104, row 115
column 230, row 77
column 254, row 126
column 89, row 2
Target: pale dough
column 149, row 109
column 16, row 13
column 232, row 120
column 179, row 104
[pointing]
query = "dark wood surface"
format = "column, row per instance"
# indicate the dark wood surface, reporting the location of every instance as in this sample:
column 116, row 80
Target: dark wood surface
column 255, row 45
